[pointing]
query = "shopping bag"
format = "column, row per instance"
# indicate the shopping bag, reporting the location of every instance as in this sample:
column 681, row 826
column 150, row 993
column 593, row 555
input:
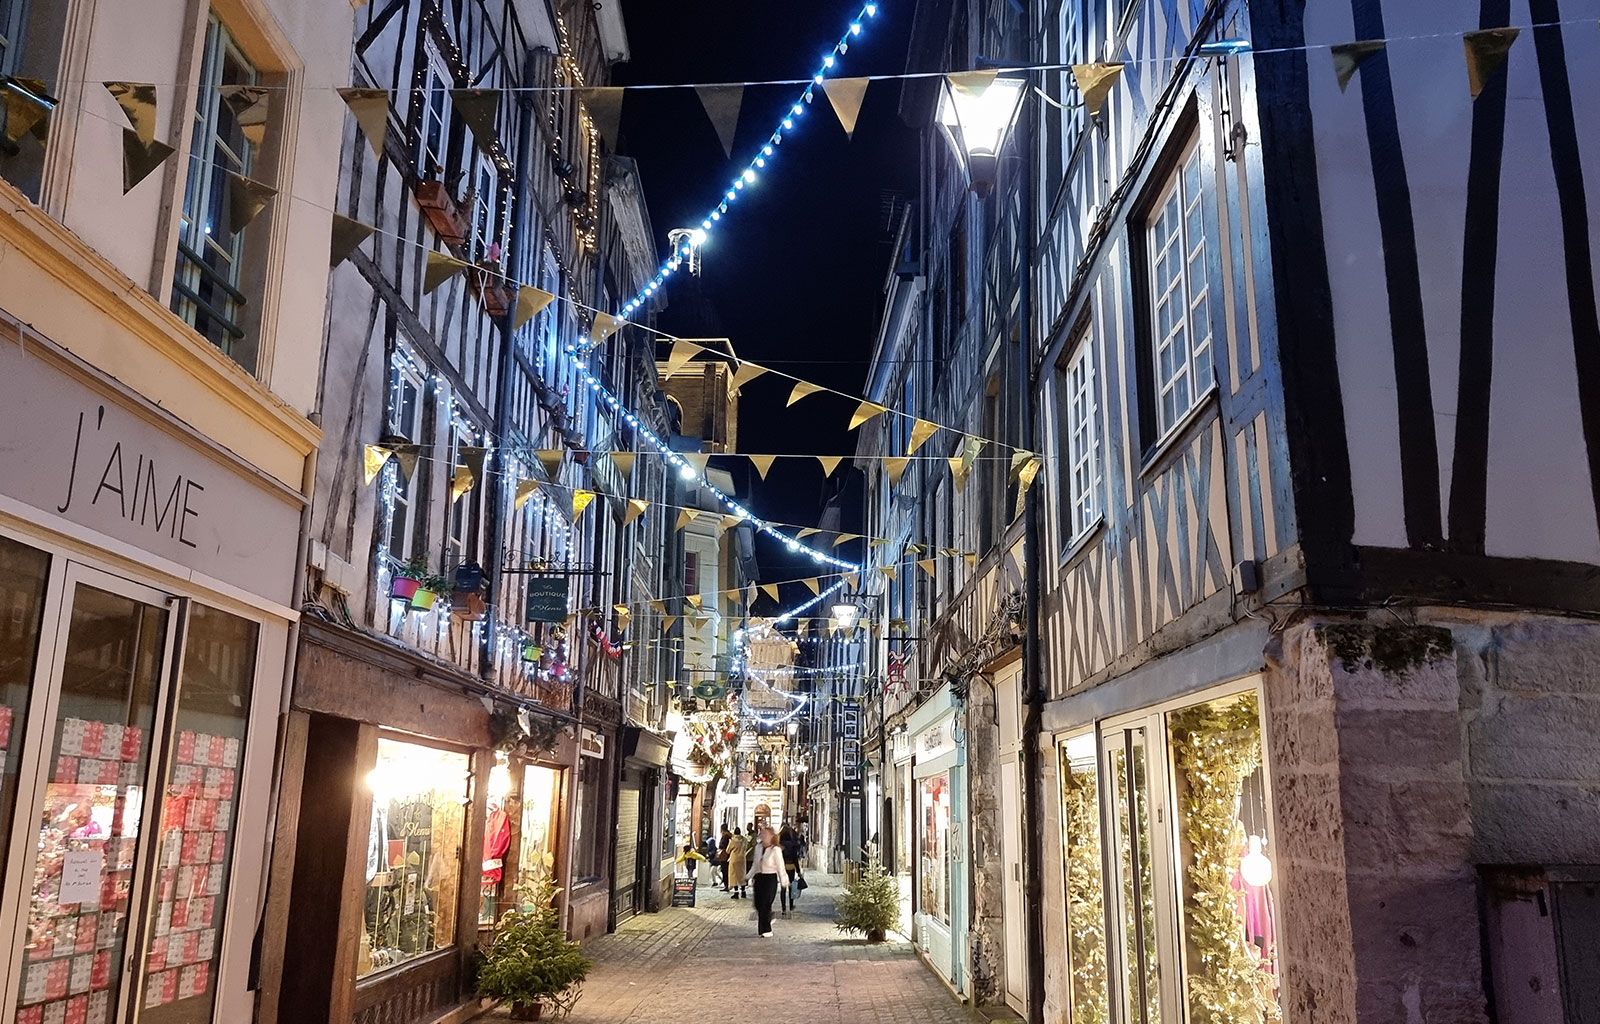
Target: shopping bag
column 800, row 883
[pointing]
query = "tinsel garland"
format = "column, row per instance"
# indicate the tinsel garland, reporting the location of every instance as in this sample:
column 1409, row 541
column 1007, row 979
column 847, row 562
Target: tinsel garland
column 1216, row 747
column 1086, row 912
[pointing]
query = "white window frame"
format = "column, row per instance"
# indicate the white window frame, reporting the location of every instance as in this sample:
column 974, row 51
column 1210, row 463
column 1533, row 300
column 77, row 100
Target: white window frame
column 1183, row 371
column 436, row 108
column 1082, row 481
column 401, row 376
column 459, row 513
column 487, row 228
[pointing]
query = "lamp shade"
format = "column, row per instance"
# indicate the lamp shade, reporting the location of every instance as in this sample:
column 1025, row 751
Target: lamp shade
column 976, row 116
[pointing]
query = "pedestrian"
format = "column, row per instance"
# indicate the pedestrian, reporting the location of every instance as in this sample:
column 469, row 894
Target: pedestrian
column 722, row 856
column 764, row 875
column 736, row 853
column 752, row 837
column 688, row 857
column 791, row 843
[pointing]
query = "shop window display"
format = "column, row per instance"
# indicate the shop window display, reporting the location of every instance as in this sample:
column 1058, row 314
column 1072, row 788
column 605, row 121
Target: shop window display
column 1135, row 857
column 536, row 856
column 936, row 848
column 1229, row 933
column 1085, row 882
column 22, row 581
column 496, row 841
column 414, row 853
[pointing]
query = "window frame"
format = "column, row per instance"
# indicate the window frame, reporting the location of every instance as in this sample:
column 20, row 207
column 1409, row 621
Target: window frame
column 403, row 372
column 460, row 535
column 1078, row 411
column 437, row 82
column 1199, row 358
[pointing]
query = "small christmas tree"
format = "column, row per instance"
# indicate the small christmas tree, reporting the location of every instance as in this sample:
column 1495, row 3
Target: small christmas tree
column 531, row 961
column 870, row 904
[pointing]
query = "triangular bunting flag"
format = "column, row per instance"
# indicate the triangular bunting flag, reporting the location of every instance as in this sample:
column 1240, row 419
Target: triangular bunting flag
column 472, row 457
column 525, row 489
column 667, row 622
column 762, row 463
column 801, row 390
column 685, row 517
column 970, row 450
column 878, row 542
column 250, row 105
column 700, row 622
column 846, row 95
column 27, row 108
column 624, row 616
column 972, row 83
column 373, row 459
column 636, row 507
column 972, row 558
column 605, row 109
column 624, row 463
column 682, row 351
column 405, row 456
column 347, row 235
column 829, row 463
column 813, row 584
column 957, row 473
column 853, row 579
column 921, row 430
column 1094, row 82
column 441, row 268
column 725, row 522
column 915, row 549
column 770, row 589
column 139, row 159
column 138, row 103
column 580, row 501
column 928, row 565
column 604, row 326
column 530, row 301
column 246, row 199
column 895, row 466
column 551, row 459
column 693, row 601
column 722, row 107
column 888, row 570
column 864, row 412
column 845, row 538
column 746, row 373
column 699, row 460
column 806, row 532
column 659, row 607
column 480, row 109
column 1486, row 53
column 1019, row 458
column 461, row 482
column 1348, row 58
column 371, row 110
column 950, row 552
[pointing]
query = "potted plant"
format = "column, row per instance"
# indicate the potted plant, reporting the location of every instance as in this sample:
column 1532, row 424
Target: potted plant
column 531, row 964
column 429, row 587
column 408, row 578
column 870, row 904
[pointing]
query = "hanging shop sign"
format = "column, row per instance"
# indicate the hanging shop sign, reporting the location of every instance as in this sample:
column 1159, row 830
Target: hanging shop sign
column 547, row 599
column 592, row 744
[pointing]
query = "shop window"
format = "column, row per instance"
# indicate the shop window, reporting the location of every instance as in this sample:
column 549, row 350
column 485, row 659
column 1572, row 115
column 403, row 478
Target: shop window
column 23, row 571
column 536, row 856
column 590, row 841
column 1085, row 882
column 1134, row 853
column 496, row 840
column 195, row 843
column 414, row 854
column 30, row 53
column 208, row 287
column 1225, row 862
column 936, row 848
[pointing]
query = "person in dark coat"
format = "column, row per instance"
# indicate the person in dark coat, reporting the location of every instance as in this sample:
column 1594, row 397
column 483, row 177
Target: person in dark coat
column 721, row 858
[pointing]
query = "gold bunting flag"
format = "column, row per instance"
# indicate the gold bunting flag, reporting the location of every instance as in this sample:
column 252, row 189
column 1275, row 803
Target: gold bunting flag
column 551, row 459
column 1348, row 58
column 371, row 110
column 746, row 373
column 921, row 430
column 27, row 108
column 1025, row 475
column 693, row 601
column 667, row 622
column 1019, row 458
column 605, row 109
column 915, row 549
column 624, row 463
column 971, row 83
column 762, row 463
column 801, row 390
column 1094, row 82
column 373, row 459
column 480, row 109
column 722, row 104
column 441, row 268
column 250, row 105
column 701, row 622
column 530, row 301
column 888, row 570
column 813, row 584
column 864, row 412
column 806, row 532
column 139, row 158
column 624, row 615
column 580, row 501
column 659, row 607
column 138, row 103
column 896, row 468
column 878, row 542
column 699, row 460
column 829, row 463
column 347, row 235
column 770, row 589
column 928, row 565
column 460, row 483
column 970, row 450
column 725, row 522
column 957, row 471
column 845, row 538
column 1486, row 54
column 605, row 325
column 405, row 456
column 682, row 352
column 525, row 489
column 950, row 552
column 472, row 457
column 853, row 579
column 685, row 517
column 846, row 95
column 246, row 199
column 636, row 507
column 971, row 557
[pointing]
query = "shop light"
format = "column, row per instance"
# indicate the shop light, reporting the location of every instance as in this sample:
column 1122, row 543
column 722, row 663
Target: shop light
column 1254, row 867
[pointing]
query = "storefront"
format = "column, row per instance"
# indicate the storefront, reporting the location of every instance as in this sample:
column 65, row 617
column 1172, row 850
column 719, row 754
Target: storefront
column 521, row 838
column 640, row 882
column 938, row 796
column 1168, row 864
column 145, row 589
column 900, row 855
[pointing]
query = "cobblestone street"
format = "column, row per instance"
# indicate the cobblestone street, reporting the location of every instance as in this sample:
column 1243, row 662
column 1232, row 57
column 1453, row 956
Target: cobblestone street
column 696, row 965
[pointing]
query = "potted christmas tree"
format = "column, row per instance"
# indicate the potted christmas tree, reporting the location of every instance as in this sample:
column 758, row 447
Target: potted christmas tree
column 531, row 965
column 871, row 903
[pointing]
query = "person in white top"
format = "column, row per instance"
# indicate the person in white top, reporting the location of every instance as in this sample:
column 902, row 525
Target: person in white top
column 764, row 874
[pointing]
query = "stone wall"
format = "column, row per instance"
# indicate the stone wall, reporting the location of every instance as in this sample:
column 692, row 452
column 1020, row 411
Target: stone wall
column 986, row 948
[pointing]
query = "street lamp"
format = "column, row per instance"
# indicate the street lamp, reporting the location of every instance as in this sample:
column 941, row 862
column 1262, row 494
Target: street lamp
column 976, row 112
column 845, row 614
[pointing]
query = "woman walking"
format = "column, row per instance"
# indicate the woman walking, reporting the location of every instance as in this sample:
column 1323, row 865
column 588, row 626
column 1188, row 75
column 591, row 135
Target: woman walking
column 738, row 850
column 765, row 872
column 789, row 842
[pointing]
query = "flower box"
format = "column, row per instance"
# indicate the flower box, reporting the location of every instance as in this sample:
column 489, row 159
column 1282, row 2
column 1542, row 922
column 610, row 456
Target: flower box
column 442, row 213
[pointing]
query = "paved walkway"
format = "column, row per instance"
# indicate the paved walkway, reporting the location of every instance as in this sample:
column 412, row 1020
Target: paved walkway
column 706, row 963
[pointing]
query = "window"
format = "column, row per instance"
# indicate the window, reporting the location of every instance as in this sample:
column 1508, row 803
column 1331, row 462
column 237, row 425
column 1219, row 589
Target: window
column 434, row 134
column 935, row 848
column 414, row 847
column 1181, row 325
column 405, row 421
column 589, row 841
column 30, row 48
column 1079, row 454
column 691, row 573
column 1083, row 862
column 463, row 507
column 207, row 286
column 23, row 571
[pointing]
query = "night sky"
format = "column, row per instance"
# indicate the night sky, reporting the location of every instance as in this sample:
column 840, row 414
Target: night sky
column 793, row 273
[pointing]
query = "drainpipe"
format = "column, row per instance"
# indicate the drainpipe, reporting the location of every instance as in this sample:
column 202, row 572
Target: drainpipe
column 1032, row 649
